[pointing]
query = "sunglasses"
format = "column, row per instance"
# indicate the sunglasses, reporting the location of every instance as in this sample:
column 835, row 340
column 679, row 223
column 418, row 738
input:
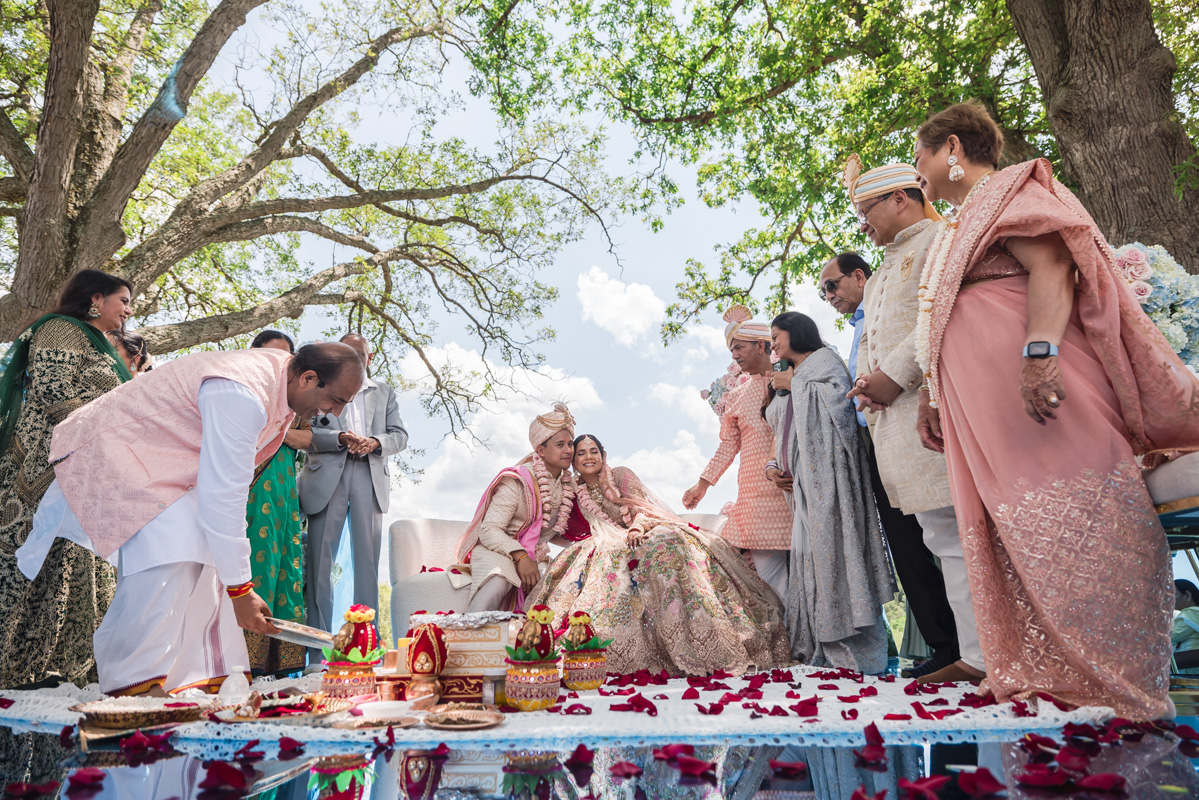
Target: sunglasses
column 830, row 287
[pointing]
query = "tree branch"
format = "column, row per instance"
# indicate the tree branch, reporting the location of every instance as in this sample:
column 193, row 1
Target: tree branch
column 43, row 250
column 177, row 335
column 13, row 148
column 104, row 109
column 12, row 190
column 101, row 227
column 299, row 205
column 337, row 172
column 217, row 186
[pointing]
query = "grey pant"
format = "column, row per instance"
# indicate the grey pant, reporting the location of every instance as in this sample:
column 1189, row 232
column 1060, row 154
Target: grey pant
column 354, row 495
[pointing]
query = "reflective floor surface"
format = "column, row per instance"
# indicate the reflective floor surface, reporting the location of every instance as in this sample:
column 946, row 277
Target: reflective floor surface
column 1115, row 760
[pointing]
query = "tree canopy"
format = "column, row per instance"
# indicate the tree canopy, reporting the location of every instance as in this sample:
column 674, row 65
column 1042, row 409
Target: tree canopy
column 201, row 150
column 769, row 98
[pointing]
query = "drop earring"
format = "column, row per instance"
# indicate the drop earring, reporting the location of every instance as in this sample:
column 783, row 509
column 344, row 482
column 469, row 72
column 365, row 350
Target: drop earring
column 93, row 312
column 956, row 173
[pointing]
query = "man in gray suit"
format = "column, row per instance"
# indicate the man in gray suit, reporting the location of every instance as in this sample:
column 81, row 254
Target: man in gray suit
column 347, row 472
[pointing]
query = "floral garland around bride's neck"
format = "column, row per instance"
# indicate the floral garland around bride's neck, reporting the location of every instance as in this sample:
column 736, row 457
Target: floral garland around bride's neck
column 590, row 505
column 564, row 506
column 930, row 284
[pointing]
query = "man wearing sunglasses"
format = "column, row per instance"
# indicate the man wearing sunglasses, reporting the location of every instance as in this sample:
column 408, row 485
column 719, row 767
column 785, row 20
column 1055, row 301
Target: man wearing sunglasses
column 894, row 213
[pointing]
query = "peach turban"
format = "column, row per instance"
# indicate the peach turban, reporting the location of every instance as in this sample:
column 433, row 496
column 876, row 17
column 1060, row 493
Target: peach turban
column 880, row 181
column 546, row 425
column 741, row 325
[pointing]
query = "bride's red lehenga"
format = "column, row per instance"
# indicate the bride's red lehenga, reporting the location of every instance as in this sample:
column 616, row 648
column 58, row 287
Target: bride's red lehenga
column 683, row 600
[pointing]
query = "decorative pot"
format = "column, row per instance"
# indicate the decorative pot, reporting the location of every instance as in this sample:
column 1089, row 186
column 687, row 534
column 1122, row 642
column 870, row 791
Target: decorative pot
column 583, row 670
column 345, row 679
column 532, row 685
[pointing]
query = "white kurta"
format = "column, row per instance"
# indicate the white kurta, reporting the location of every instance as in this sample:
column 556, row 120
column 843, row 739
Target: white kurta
column 170, row 620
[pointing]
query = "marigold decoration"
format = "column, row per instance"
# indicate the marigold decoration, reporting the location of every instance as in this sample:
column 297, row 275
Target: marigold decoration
column 581, row 636
column 358, row 641
column 427, row 650
column 535, row 642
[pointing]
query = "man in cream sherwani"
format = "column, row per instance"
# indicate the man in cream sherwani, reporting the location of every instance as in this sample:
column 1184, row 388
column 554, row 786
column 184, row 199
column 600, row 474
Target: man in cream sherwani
column 895, row 215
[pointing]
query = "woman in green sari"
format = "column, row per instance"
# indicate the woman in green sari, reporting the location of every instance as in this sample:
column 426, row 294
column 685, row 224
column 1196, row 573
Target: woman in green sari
column 59, row 363
column 275, row 529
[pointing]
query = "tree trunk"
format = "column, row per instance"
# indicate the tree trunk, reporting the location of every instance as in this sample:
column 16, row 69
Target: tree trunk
column 1106, row 80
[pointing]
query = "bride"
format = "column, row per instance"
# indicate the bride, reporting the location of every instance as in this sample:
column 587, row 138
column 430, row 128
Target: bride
column 669, row 595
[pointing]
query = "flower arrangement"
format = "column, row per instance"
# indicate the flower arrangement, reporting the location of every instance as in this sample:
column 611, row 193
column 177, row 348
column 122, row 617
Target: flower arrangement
column 535, row 641
column 1167, row 293
column 581, row 636
column 715, row 395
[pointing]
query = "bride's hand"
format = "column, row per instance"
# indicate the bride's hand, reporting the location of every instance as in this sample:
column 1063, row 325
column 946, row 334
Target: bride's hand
column 635, row 538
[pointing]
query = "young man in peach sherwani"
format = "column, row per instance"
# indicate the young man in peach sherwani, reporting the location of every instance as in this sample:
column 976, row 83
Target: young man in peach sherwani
column 157, row 474
column 760, row 520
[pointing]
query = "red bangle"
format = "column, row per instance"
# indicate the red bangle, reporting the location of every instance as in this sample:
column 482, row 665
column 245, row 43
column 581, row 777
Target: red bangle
column 241, row 590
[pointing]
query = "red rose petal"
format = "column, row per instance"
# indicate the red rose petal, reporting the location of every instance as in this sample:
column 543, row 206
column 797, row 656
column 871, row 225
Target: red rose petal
column 860, row 794
column 1072, row 759
column 576, row 708
column 713, row 709
column 980, row 783
column 624, row 769
column 1103, row 782
column 694, row 766
column 691, row 694
column 581, row 755
column 672, row 751
column 86, row 777
column 828, row 687
column 849, row 713
column 922, row 788
column 897, row 716
column 789, row 770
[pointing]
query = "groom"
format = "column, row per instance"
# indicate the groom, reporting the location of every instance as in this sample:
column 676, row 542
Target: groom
column 522, row 510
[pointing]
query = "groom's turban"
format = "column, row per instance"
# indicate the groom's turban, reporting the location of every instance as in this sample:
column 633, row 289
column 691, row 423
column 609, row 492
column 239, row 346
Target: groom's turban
column 546, row 425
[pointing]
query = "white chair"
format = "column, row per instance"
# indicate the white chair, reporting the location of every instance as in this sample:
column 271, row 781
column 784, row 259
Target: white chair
column 709, row 522
column 417, row 543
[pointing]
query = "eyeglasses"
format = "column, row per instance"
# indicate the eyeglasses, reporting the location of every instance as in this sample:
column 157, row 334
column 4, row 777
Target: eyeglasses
column 830, row 286
column 863, row 212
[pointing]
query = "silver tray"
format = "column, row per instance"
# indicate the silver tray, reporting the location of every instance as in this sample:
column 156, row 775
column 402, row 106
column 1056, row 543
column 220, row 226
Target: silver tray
column 302, row 635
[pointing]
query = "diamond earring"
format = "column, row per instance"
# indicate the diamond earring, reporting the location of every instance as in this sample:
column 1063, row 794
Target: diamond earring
column 956, row 173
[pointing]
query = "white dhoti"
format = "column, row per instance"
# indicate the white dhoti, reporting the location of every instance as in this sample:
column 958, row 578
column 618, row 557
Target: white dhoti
column 191, row 641
column 171, row 621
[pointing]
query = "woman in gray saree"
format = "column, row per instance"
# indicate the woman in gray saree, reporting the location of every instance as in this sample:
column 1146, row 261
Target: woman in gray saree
column 840, row 570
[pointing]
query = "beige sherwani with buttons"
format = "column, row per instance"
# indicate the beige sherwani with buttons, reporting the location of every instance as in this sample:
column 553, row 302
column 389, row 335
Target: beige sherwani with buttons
column 915, row 478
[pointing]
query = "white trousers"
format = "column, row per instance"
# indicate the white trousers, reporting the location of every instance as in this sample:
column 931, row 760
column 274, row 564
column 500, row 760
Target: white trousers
column 173, row 625
column 772, row 566
column 942, row 538
column 495, row 594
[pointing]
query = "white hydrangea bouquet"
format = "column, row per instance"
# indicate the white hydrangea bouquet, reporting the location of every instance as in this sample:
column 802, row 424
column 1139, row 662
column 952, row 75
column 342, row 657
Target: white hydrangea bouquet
column 1169, row 295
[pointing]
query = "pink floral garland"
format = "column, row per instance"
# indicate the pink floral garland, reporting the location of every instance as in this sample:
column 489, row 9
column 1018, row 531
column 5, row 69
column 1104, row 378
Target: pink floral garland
column 542, row 475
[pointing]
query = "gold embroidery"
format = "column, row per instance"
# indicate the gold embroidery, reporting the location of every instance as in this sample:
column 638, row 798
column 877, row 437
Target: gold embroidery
column 905, row 268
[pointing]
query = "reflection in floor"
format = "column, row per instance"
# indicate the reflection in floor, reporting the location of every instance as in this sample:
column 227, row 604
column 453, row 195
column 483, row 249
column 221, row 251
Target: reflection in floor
column 1136, row 761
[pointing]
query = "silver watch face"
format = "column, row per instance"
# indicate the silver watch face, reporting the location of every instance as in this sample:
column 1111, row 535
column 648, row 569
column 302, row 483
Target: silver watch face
column 1038, row 349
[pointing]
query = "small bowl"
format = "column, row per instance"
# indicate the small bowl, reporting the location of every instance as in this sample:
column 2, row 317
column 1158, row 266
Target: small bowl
column 387, row 709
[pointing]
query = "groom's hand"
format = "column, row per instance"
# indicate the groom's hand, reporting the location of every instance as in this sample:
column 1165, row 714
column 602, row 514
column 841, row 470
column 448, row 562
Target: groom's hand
column 526, row 568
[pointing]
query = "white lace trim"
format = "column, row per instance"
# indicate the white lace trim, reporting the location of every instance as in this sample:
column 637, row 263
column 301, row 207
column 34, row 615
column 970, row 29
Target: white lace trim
column 463, row 622
column 677, row 719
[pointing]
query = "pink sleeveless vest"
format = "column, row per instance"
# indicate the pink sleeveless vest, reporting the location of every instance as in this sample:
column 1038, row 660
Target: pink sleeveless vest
column 134, row 451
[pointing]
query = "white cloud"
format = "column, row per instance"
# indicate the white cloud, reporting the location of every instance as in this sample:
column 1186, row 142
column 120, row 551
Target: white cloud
column 687, row 400
column 628, row 311
column 806, row 300
column 669, row 470
column 461, row 469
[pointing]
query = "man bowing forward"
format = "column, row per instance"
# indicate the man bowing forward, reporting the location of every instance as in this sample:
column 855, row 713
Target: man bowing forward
column 157, row 472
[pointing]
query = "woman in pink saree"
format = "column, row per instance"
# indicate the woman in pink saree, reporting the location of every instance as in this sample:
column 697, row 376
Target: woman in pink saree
column 1045, row 380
